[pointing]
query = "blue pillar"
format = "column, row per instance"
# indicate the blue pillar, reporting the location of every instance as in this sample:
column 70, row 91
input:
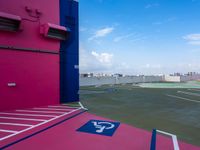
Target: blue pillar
column 69, row 52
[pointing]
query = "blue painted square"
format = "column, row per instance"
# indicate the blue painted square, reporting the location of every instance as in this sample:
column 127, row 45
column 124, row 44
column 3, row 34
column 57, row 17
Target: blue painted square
column 100, row 127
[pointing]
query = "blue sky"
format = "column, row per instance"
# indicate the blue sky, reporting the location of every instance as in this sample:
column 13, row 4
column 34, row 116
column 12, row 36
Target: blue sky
column 139, row 36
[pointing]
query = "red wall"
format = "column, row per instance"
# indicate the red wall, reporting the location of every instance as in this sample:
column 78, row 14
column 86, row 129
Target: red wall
column 30, row 36
column 36, row 74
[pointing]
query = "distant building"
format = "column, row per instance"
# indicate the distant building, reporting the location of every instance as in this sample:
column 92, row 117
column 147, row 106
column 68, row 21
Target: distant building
column 191, row 73
column 86, row 75
column 118, row 75
column 177, row 74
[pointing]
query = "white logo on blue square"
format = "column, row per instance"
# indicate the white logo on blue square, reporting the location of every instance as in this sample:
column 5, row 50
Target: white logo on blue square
column 100, row 127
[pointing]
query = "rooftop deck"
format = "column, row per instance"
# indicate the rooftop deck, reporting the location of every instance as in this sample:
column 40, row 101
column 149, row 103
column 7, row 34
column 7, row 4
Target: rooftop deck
column 55, row 127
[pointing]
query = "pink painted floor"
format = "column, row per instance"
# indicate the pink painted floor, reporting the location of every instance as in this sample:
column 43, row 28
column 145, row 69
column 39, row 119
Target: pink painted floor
column 60, row 133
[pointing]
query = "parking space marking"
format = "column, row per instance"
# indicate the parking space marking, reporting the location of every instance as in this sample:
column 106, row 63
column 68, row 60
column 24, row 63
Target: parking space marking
column 66, row 107
column 17, row 114
column 198, row 90
column 71, row 106
column 15, row 124
column 15, row 118
column 34, row 126
column 189, row 93
column 174, row 138
column 186, row 99
column 9, row 131
column 54, row 109
column 50, row 112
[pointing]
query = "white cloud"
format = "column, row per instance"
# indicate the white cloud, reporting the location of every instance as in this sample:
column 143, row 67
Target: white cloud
column 119, row 38
column 85, row 59
column 132, row 37
column 94, row 61
column 102, row 32
column 193, row 39
column 194, row 42
column 104, row 58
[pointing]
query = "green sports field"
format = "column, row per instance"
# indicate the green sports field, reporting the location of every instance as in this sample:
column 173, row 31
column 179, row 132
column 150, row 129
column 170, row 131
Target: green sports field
column 148, row 106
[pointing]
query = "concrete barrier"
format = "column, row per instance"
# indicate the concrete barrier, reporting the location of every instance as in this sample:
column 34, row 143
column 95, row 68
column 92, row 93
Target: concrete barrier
column 168, row 78
column 88, row 81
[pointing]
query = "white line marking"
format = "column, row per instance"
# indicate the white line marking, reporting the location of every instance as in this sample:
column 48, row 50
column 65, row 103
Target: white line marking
column 15, row 124
column 174, row 139
column 198, row 90
column 82, row 106
column 186, row 99
column 38, row 124
column 188, row 93
column 50, row 109
column 66, row 107
column 166, row 133
column 70, row 106
column 9, row 131
column 50, row 112
column 27, row 114
column 175, row 142
column 13, row 118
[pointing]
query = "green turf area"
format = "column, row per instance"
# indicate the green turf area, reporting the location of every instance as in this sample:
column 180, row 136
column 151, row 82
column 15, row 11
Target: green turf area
column 190, row 84
column 72, row 104
column 147, row 108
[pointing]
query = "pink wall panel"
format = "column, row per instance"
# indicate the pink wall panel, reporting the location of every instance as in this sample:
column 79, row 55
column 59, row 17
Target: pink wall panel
column 36, row 77
column 29, row 36
column 36, row 74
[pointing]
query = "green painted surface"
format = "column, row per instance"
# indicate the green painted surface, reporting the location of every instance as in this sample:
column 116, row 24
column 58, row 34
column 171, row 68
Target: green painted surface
column 147, row 108
column 191, row 84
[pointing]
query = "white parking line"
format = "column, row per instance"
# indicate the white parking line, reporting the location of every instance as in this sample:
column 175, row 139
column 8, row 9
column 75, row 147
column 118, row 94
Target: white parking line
column 15, row 124
column 46, row 121
column 188, row 93
column 198, row 90
column 54, row 109
column 9, row 131
column 71, row 106
column 13, row 118
column 66, row 107
column 186, row 99
column 174, row 138
column 37, row 115
column 82, row 106
column 50, row 112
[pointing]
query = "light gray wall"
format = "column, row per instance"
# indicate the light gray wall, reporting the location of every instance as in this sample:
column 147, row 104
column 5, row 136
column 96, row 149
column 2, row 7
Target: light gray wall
column 168, row 78
column 87, row 81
